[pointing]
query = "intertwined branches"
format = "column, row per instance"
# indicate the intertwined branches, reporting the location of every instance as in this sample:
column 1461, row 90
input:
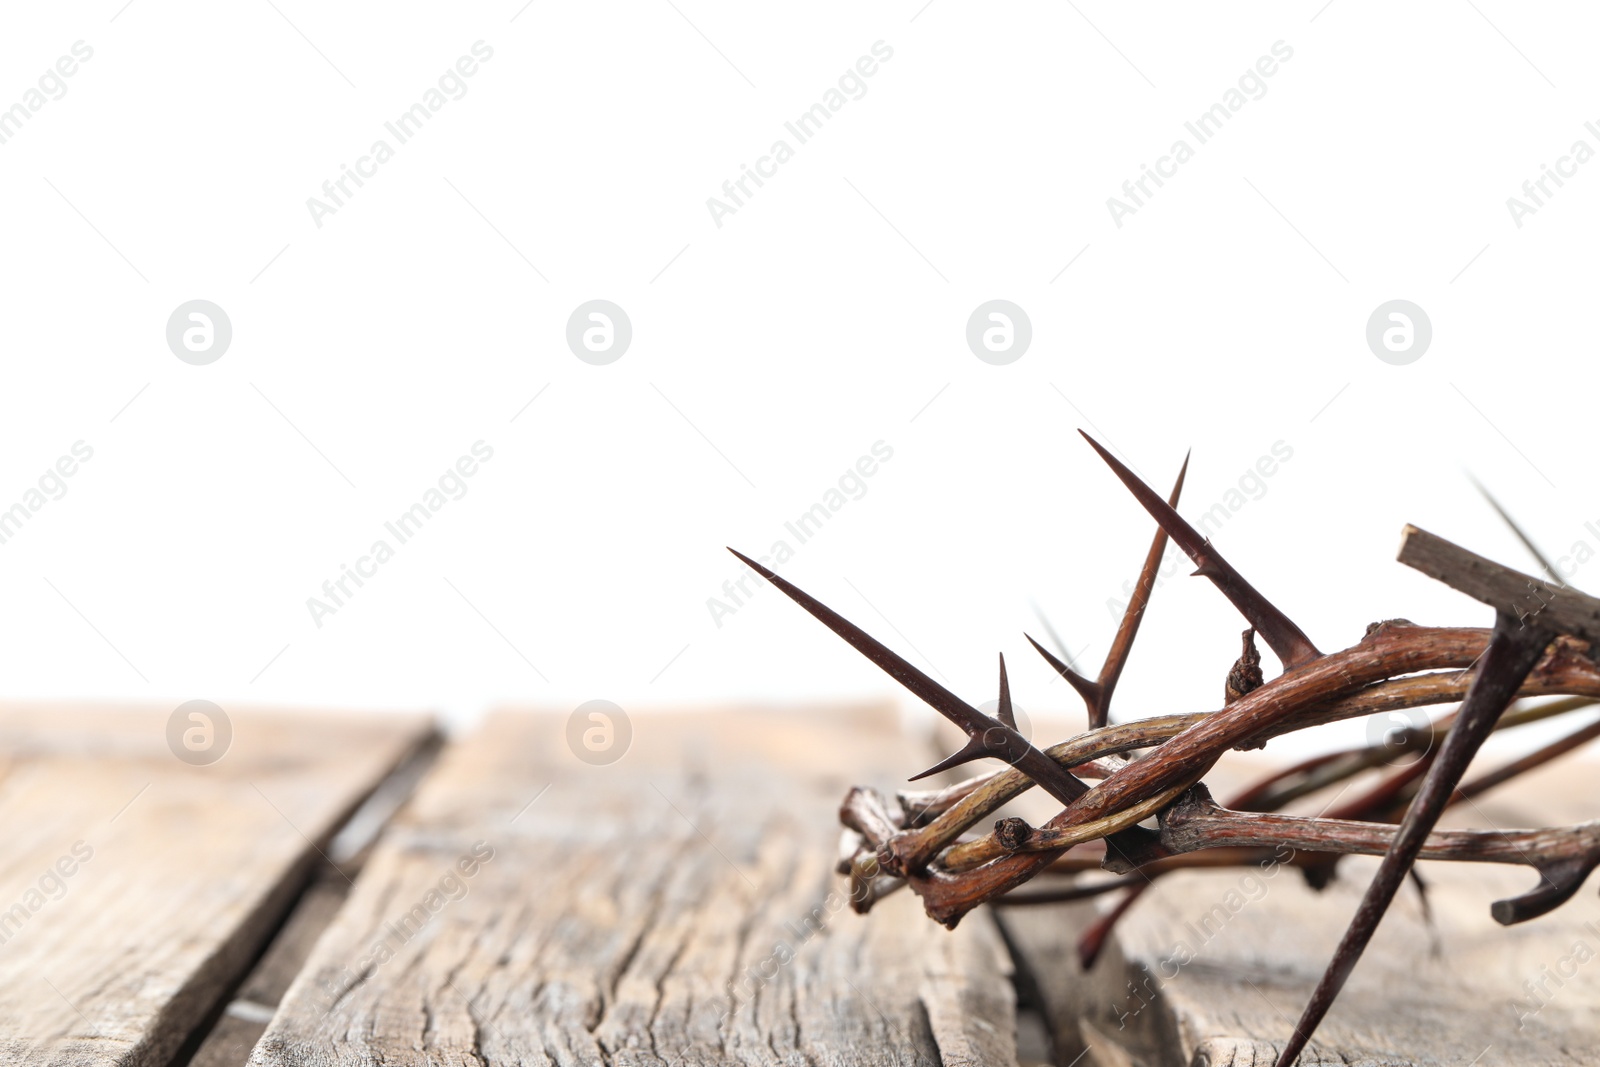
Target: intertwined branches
column 1543, row 643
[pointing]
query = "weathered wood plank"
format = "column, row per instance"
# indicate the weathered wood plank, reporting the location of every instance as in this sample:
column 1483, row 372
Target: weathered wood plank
column 135, row 887
column 1213, row 967
column 244, row 1019
column 675, row 907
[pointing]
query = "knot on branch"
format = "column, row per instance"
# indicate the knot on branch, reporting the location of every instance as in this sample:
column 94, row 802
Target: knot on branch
column 1245, row 675
column 1193, row 805
column 1012, row 834
column 1385, row 624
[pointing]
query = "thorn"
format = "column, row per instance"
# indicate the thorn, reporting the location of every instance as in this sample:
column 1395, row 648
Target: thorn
column 952, row 707
column 1133, row 614
column 976, row 748
column 997, row 739
column 1285, row 639
column 1089, row 691
column 1007, row 713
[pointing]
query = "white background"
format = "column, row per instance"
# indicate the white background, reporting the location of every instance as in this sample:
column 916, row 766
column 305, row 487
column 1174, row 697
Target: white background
column 768, row 354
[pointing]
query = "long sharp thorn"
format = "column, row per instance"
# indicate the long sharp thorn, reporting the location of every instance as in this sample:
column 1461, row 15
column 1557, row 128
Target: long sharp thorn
column 1007, row 713
column 1527, row 542
column 1513, row 650
column 1128, row 628
column 1285, row 639
column 979, row 746
column 1000, row 740
column 1089, row 691
column 946, row 703
column 974, row 749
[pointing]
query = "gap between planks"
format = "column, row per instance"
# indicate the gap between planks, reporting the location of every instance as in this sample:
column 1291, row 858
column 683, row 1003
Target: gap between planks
column 242, row 1015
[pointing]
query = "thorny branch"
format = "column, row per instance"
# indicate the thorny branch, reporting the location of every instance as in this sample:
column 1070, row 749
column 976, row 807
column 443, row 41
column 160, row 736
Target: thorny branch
column 1544, row 643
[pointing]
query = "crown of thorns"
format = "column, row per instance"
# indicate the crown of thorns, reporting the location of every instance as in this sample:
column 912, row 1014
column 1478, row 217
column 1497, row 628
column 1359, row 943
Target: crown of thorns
column 1543, row 643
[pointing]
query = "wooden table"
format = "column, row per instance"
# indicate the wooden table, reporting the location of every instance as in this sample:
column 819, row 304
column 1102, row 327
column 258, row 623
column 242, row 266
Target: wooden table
column 329, row 892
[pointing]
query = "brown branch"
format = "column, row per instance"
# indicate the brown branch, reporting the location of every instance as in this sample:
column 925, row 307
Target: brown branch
column 947, row 897
column 1384, row 652
column 1197, row 822
column 910, row 851
column 1522, row 596
column 867, row 813
column 981, row 797
column 922, row 805
column 1269, row 795
column 1002, row 842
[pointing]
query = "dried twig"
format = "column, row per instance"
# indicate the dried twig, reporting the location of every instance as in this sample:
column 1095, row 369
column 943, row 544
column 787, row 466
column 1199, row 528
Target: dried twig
column 1197, row 822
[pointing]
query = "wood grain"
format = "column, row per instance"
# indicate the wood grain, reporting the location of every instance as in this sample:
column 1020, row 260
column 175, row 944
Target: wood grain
column 233, row 1036
column 136, row 888
column 675, row 907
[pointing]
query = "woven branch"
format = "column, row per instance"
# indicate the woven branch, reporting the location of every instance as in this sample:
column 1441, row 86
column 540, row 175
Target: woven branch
column 1543, row 643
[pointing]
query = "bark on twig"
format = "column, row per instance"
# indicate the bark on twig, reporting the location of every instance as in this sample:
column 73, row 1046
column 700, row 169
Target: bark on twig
column 1197, row 822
